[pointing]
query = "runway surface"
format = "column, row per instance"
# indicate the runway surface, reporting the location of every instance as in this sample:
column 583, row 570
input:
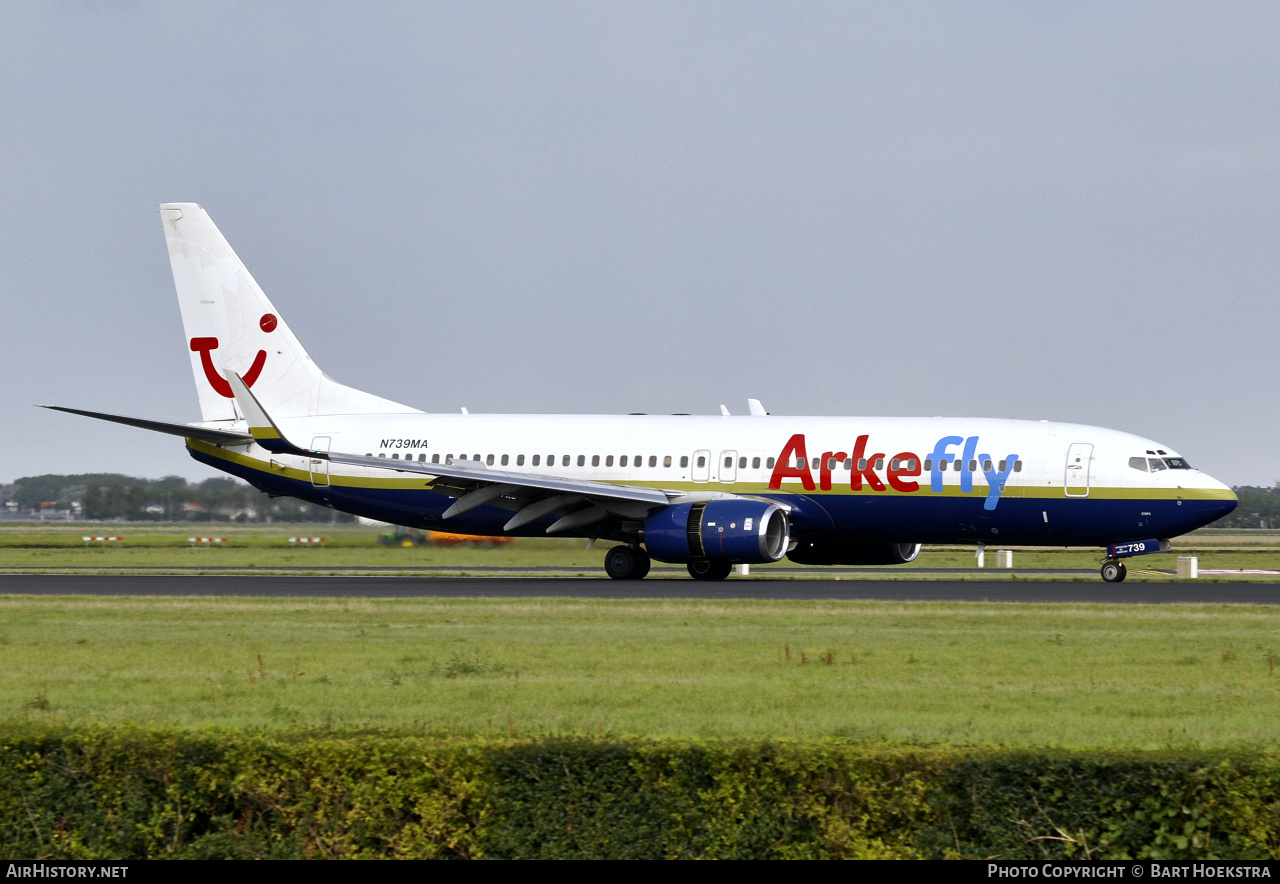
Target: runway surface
column 548, row 587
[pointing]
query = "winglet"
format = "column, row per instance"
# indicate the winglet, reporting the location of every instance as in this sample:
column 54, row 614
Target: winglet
column 261, row 427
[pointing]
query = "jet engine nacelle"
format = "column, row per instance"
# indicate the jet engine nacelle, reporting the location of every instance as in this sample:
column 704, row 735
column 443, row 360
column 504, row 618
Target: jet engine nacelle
column 742, row 532
column 839, row 551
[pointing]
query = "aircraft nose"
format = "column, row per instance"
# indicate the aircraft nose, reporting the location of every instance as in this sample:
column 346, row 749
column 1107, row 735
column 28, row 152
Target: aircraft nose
column 1214, row 498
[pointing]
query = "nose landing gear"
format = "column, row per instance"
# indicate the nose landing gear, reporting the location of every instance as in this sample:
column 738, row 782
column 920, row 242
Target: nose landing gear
column 1114, row 571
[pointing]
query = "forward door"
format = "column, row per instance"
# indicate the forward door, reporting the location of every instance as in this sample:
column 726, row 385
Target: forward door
column 1077, row 476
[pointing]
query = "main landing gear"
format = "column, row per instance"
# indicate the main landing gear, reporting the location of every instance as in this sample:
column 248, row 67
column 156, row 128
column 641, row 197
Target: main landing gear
column 1114, row 571
column 626, row 563
column 709, row 570
column 632, row 563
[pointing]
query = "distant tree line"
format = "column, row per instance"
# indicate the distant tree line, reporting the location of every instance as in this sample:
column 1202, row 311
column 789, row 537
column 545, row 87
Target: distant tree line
column 111, row 496
column 1259, row 508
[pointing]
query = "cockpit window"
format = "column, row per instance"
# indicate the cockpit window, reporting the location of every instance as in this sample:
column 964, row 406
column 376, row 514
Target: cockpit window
column 1138, row 463
column 1177, row 463
column 1156, row 464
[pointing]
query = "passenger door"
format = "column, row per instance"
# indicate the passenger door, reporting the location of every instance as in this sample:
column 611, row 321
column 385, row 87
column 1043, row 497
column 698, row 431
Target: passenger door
column 1076, row 481
column 319, row 466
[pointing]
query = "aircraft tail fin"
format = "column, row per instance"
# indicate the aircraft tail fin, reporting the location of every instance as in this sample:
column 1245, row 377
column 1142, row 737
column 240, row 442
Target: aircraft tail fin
column 232, row 326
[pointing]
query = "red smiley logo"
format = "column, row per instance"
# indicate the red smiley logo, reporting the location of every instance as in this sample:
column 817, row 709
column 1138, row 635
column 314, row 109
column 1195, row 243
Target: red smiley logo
column 206, row 346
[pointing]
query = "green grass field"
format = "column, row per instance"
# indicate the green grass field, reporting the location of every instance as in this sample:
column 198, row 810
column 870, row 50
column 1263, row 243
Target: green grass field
column 351, row 549
column 989, row 674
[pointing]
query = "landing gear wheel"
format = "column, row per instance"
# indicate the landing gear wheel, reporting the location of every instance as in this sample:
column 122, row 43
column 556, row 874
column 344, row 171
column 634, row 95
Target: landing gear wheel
column 642, row 564
column 1113, row 571
column 626, row 563
column 709, row 570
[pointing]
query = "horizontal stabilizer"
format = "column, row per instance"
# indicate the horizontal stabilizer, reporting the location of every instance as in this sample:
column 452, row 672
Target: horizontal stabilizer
column 204, row 434
column 262, row 428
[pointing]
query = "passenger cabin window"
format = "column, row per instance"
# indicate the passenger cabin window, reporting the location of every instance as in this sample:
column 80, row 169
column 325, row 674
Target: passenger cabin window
column 435, row 458
column 928, row 463
column 815, row 462
column 879, row 463
column 608, row 461
column 848, row 463
column 769, row 464
column 506, row 459
column 728, row 461
column 536, row 459
column 653, row 460
column 488, row 461
column 1017, row 466
column 564, row 461
column 622, row 461
column 986, row 465
column 582, row 460
column 702, row 461
column 595, row 460
column 755, row 463
column 519, row 460
column 742, row 463
column 1138, row 463
column 395, row 457
column 666, row 461
column 684, row 461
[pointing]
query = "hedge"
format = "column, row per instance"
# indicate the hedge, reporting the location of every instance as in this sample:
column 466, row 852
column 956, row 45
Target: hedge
column 136, row 794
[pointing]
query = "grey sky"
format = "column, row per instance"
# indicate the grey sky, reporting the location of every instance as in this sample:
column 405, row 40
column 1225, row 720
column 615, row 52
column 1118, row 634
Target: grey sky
column 1039, row 210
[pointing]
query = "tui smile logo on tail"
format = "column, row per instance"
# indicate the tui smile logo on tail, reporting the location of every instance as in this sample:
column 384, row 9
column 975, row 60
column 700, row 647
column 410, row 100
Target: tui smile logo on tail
column 206, row 346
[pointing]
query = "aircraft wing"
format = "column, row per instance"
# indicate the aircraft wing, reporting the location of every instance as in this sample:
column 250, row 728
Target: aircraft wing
column 474, row 472
column 187, row 431
column 532, row 496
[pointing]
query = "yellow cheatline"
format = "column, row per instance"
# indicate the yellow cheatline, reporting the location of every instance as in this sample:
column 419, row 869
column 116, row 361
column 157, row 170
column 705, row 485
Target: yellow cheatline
column 264, row 433
column 756, row 488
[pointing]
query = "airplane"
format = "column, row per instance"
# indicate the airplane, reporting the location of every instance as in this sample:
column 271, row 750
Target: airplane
column 706, row 491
